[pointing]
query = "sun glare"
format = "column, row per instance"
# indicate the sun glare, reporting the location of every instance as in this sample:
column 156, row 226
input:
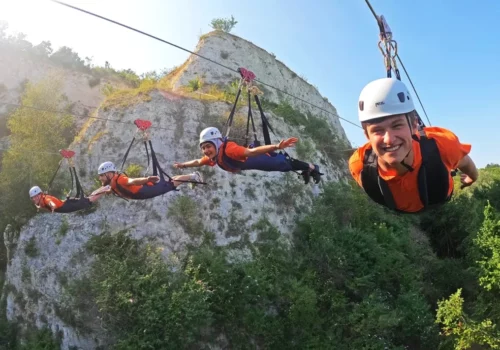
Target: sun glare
column 30, row 17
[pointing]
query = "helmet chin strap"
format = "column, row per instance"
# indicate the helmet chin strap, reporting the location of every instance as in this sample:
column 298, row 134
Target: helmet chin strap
column 407, row 166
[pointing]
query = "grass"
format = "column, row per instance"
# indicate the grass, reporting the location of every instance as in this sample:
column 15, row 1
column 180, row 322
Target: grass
column 31, row 249
column 195, row 84
column 83, row 131
column 129, row 97
column 123, row 98
column 64, row 228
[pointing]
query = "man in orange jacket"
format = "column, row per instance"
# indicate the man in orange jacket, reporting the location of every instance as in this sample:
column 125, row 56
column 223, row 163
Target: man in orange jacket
column 403, row 168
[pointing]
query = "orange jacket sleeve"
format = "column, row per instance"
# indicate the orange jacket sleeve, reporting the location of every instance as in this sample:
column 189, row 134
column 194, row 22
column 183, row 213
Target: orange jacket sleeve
column 206, row 161
column 235, row 151
column 356, row 164
column 451, row 149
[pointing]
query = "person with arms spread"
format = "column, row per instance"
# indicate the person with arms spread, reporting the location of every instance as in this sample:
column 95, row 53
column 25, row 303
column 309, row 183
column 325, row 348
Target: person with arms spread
column 231, row 157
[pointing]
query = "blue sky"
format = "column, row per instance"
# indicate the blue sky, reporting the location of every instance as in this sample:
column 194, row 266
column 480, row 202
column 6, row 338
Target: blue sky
column 451, row 48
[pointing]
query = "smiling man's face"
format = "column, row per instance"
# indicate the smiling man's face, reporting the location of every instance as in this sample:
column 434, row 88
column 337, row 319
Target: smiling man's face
column 390, row 138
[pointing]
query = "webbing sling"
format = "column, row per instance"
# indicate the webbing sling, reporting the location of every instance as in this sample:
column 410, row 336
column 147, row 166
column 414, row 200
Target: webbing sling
column 433, row 178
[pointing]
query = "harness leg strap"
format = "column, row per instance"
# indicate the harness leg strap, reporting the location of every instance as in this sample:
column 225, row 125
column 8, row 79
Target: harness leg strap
column 79, row 190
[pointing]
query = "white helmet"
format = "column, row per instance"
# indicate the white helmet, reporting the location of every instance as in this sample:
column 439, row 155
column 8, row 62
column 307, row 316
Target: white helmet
column 210, row 134
column 35, row 190
column 105, row 167
column 384, row 97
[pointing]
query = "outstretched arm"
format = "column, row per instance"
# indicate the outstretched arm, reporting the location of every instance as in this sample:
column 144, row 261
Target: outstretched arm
column 143, row 180
column 51, row 205
column 257, row 151
column 470, row 173
column 190, row 164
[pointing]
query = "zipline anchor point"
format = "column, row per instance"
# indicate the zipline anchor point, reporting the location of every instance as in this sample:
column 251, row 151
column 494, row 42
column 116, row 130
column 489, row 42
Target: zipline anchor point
column 142, row 124
column 66, row 153
column 246, row 75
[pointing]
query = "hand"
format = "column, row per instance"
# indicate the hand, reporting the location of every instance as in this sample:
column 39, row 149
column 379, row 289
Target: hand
column 153, row 179
column 287, row 143
column 465, row 180
column 101, row 190
column 179, row 165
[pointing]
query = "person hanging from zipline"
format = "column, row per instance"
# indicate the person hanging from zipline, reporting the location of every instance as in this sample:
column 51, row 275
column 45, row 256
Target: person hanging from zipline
column 142, row 187
column 234, row 158
column 70, row 204
column 231, row 157
column 405, row 167
column 147, row 187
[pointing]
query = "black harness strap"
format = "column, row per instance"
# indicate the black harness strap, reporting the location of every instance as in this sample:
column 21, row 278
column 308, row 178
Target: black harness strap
column 436, row 174
column 54, row 176
column 79, row 192
column 433, row 178
column 250, row 120
column 72, row 182
column 126, row 154
column 247, row 78
column 157, row 170
column 266, row 126
column 79, row 188
column 147, row 153
column 229, row 121
column 376, row 188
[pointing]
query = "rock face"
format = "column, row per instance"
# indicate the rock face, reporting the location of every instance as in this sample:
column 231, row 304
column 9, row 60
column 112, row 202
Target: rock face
column 234, row 52
column 51, row 248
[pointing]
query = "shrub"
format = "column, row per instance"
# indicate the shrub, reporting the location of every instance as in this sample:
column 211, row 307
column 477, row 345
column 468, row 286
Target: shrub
column 134, row 170
column 224, row 24
column 195, row 84
column 31, row 249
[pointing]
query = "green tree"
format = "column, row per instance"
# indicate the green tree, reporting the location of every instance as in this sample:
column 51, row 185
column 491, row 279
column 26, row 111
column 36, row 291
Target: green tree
column 43, row 49
column 488, row 243
column 141, row 299
column 38, row 131
column 479, row 325
column 68, row 58
column 465, row 331
column 224, row 24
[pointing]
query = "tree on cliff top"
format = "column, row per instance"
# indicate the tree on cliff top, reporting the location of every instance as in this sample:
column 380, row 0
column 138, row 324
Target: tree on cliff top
column 224, row 24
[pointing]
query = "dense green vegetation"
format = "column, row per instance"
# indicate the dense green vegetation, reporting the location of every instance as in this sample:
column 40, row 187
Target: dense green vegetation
column 354, row 276
column 32, row 157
